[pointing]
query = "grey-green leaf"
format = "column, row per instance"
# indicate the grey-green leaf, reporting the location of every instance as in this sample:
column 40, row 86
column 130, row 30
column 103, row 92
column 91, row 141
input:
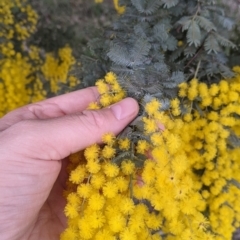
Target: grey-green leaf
column 194, row 34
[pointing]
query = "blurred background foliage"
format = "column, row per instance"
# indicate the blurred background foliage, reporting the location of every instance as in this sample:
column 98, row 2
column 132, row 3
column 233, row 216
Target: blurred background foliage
column 77, row 22
column 72, row 22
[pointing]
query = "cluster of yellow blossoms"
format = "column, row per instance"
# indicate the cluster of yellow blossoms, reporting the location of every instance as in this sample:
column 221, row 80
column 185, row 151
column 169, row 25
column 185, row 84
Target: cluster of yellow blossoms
column 25, row 73
column 211, row 117
column 56, row 70
column 19, row 24
column 175, row 180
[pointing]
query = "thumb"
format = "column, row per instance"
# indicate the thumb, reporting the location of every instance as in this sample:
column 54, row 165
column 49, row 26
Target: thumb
column 55, row 139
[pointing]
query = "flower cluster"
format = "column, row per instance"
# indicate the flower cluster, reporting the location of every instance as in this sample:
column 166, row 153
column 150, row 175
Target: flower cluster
column 211, row 120
column 24, row 72
column 20, row 24
column 110, row 91
column 175, row 180
column 16, row 71
column 56, row 70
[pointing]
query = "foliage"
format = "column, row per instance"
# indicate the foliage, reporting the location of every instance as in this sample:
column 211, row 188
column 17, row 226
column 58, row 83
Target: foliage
column 27, row 72
column 174, row 170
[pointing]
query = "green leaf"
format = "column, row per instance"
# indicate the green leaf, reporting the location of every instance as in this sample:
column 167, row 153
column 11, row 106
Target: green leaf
column 224, row 42
column 139, row 51
column 184, row 22
column 171, row 43
column 211, row 44
column 170, row 3
column 160, row 32
column 226, row 22
column 139, row 5
column 205, row 24
column 190, row 51
column 152, row 6
column 148, row 7
column 194, row 34
column 119, row 55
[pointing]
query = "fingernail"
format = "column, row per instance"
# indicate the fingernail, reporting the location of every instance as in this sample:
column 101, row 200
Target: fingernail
column 127, row 107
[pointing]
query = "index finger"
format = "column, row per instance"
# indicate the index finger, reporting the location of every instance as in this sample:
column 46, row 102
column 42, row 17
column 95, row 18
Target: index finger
column 65, row 104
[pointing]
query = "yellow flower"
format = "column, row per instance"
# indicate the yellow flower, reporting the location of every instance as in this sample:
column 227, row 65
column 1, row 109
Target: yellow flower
column 110, row 189
column 96, row 202
column 73, row 199
column 93, row 166
column 108, row 152
column 84, row 190
column 111, row 78
column 157, row 139
column 152, row 107
column 213, row 90
column 192, row 93
column 173, row 143
column 150, row 125
column 69, row 233
column 102, row 86
column 96, row 219
column 111, row 169
column 93, row 106
column 180, row 164
column 176, row 111
column 104, row 234
column 105, row 99
column 142, row 146
column 180, row 43
column 233, row 96
column 119, row 9
column 121, row 183
column 153, row 221
column 182, row 92
column 175, row 103
column 108, row 138
column 97, row 180
column 213, row 116
column 187, row 117
column 127, row 167
column 127, row 205
column 92, row 152
column 128, row 234
column 78, row 174
column 203, row 90
column 223, row 86
column 124, row 143
column 85, row 230
column 70, row 211
column 117, row 222
column 148, row 174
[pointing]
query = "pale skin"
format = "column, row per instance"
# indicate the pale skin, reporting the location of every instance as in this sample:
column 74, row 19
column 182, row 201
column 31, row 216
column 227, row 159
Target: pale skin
column 35, row 141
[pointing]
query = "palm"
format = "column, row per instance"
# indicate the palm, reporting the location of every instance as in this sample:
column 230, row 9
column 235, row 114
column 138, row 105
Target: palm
column 38, row 206
column 51, row 220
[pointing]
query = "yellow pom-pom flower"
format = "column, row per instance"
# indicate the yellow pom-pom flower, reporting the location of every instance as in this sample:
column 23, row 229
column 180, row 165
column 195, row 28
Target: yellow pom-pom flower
column 108, row 138
column 127, row 167
column 124, row 143
column 96, row 202
column 111, row 169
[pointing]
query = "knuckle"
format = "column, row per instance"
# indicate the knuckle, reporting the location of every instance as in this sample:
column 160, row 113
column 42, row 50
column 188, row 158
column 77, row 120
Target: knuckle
column 94, row 119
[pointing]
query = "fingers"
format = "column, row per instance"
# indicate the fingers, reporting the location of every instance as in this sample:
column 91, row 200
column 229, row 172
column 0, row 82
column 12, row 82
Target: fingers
column 56, row 138
column 53, row 107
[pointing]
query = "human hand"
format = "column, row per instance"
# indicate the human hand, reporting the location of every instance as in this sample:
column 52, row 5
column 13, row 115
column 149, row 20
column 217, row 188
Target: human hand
column 34, row 140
